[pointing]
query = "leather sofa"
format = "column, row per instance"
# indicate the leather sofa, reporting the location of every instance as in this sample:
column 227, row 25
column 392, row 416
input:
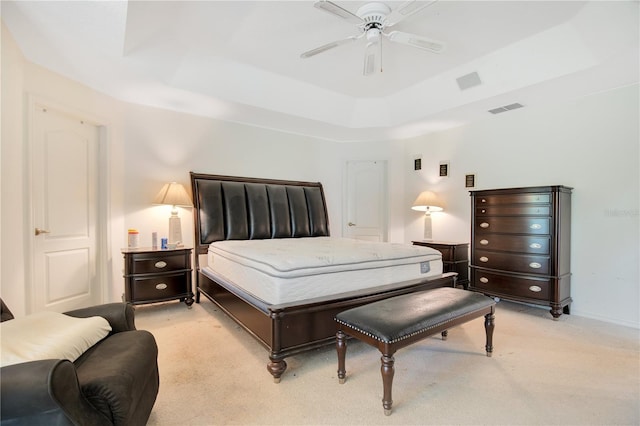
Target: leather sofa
column 115, row 382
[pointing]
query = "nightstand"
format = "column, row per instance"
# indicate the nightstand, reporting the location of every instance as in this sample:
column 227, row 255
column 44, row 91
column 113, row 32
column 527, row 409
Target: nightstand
column 455, row 258
column 155, row 275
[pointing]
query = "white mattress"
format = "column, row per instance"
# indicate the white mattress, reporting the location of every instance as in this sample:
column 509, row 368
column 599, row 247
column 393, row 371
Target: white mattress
column 295, row 269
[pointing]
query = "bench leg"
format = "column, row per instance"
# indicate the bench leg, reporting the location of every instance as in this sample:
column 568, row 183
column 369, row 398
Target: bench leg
column 445, row 334
column 341, row 347
column 488, row 327
column 387, row 371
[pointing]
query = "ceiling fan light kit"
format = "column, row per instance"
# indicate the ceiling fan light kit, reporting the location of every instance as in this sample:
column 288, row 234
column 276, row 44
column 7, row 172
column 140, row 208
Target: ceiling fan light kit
column 372, row 19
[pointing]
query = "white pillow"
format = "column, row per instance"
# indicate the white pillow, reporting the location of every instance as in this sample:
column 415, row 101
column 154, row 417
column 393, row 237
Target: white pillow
column 49, row 335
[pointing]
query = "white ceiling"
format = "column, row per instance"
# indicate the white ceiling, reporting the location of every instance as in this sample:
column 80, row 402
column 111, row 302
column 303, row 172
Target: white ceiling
column 240, row 60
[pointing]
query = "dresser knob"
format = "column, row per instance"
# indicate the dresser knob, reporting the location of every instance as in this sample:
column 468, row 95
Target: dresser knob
column 482, row 200
column 535, row 265
column 484, row 242
column 484, row 280
column 535, row 226
column 484, row 259
column 535, row 288
column 161, row 286
column 535, row 245
column 484, row 225
column 483, row 211
column 161, row 264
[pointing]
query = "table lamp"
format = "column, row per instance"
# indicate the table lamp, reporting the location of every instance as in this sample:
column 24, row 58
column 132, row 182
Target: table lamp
column 427, row 202
column 174, row 195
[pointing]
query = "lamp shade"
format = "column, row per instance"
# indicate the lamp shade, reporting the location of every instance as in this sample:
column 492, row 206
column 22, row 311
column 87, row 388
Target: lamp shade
column 427, row 201
column 173, row 194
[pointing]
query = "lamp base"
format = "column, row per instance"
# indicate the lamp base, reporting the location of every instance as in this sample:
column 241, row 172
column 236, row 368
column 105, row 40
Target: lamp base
column 427, row 227
column 175, row 230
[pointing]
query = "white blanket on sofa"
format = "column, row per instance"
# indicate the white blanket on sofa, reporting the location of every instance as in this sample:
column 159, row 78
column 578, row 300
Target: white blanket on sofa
column 49, row 335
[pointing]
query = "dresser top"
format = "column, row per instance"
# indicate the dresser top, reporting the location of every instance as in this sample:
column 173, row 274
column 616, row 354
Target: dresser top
column 528, row 189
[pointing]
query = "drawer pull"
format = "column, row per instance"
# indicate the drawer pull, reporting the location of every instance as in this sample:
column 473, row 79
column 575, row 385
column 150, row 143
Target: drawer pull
column 484, row 280
column 483, row 200
column 484, row 225
column 161, row 286
column 483, row 211
column 535, row 226
column 484, row 259
column 535, row 288
column 535, row 245
column 161, row 264
column 484, row 242
column 535, row 265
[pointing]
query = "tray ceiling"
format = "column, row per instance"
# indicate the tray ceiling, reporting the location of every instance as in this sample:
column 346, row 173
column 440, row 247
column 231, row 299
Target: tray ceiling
column 240, row 60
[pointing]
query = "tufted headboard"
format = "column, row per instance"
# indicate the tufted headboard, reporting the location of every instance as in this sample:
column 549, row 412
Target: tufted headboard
column 240, row 208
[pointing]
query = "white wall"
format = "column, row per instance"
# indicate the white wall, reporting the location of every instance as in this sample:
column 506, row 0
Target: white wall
column 22, row 80
column 163, row 146
column 592, row 145
column 146, row 148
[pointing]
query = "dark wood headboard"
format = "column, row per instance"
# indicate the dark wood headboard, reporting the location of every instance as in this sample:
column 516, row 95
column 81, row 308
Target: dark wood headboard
column 241, row 208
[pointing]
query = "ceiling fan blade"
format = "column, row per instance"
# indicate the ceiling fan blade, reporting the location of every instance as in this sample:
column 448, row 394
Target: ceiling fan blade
column 325, row 47
column 405, row 10
column 334, row 9
column 414, row 40
column 372, row 57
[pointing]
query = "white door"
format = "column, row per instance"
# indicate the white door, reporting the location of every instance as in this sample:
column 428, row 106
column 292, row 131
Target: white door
column 64, row 182
column 366, row 201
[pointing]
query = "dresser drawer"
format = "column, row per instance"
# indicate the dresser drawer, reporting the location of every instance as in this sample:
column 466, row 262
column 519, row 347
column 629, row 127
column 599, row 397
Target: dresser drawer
column 514, row 243
column 513, row 225
column 160, row 287
column 514, row 210
column 499, row 284
column 142, row 264
column 488, row 200
column 528, row 264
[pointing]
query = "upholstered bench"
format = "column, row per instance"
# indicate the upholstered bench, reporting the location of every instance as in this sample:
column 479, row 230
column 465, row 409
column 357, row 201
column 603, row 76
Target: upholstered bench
column 399, row 321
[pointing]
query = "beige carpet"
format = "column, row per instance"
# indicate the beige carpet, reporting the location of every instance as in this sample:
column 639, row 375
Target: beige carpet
column 575, row 371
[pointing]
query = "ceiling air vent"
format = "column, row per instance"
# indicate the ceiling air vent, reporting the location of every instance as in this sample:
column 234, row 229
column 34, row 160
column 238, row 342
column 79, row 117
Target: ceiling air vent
column 469, row 80
column 505, row 108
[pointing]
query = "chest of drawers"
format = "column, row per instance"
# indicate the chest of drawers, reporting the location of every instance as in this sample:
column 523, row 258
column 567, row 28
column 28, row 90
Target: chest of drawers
column 521, row 245
column 153, row 275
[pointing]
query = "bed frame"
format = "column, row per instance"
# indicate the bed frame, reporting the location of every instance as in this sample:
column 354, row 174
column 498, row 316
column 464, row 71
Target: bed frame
column 240, row 208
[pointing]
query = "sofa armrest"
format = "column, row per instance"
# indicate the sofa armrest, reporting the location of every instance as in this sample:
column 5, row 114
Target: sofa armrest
column 121, row 316
column 45, row 392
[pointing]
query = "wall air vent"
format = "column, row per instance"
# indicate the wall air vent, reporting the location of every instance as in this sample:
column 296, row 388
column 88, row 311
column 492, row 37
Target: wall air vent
column 468, row 81
column 505, row 108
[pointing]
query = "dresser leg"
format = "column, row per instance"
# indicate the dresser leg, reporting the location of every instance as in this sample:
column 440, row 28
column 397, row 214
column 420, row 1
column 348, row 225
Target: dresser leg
column 489, row 325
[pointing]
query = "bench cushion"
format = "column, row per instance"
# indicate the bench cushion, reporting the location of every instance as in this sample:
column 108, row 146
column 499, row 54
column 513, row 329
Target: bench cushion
column 400, row 317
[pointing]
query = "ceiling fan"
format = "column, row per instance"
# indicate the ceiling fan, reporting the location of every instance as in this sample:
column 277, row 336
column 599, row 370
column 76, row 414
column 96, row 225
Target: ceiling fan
column 372, row 20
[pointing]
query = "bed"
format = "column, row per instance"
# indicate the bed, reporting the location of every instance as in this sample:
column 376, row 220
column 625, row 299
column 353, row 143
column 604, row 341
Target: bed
column 238, row 219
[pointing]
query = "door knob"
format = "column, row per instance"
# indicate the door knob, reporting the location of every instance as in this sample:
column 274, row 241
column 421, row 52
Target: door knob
column 352, row 224
column 42, row 231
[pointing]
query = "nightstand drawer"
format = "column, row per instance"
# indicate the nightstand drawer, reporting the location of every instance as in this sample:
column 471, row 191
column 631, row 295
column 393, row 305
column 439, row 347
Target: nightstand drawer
column 156, row 287
column 514, row 243
column 513, row 225
column 498, row 284
column 512, row 262
column 142, row 264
